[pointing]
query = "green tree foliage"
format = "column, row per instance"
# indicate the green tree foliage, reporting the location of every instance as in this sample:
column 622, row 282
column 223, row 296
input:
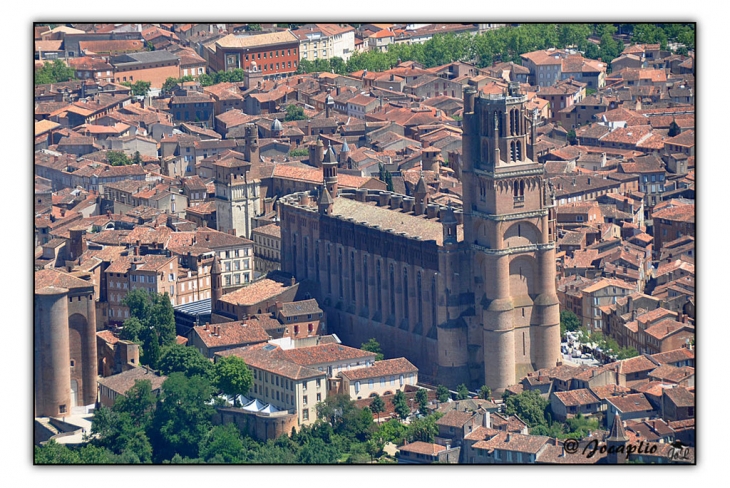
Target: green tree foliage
column 186, row 360
column 345, row 417
column 373, row 346
column 123, row 428
column 141, row 88
column 154, row 313
column 572, row 139
column 392, row 431
column 485, row 392
column 569, row 322
column 579, row 426
column 232, row 376
column 422, row 401
column 401, row 405
column 223, row 444
column 442, row 393
column 182, row 418
column 55, row 72
column 253, row 27
column 529, row 406
column 377, row 406
column 610, row 48
column 462, row 392
column 295, row 153
column 55, row 453
column 117, row 158
column 424, row 429
column 294, row 112
column 316, row 451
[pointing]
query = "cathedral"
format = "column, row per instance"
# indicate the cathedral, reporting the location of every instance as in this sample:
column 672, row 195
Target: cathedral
column 467, row 295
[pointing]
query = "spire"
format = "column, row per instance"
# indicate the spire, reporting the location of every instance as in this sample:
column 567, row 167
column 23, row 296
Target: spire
column 345, row 147
column 325, row 202
column 329, row 155
column 421, row 186
column 617, row 430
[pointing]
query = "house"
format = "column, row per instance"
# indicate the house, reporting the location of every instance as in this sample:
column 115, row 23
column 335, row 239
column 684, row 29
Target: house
column 212, row 338
column 152, row 66
column 632, row 406
column 568, row 404
column 271, row 54
column 420, row 452
column 381, row 378
column 113, row 386
column 267, row 248
column 678, row 404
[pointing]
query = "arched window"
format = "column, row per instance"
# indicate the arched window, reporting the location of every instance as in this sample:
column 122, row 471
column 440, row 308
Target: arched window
column 522, row 187
column 340, row 273
column 329, row 270
column 352, row 276
column 516, row 189
column 434, row 309
column 518, row 151
column 306, row 257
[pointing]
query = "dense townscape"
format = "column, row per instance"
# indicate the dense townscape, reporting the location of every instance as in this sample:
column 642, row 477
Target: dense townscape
column 364, row 243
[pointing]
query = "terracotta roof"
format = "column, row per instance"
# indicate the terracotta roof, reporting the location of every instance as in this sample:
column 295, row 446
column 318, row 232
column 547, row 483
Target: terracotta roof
column 122, row 382
column 420, row 447
column 233, row 41
column 267, row 357
column 254, row 293
column 637, row 364
column 107, row 336
column 455, row 418
column 582, row 396
column 675, row 356
column 292, row 309
column 386, row 367
column 272, row 230
column 635, row 402
column 325, row 353
column 680, row 396
column 58, row 279
column 232, row 333
column 507, row 441
column 672, row 373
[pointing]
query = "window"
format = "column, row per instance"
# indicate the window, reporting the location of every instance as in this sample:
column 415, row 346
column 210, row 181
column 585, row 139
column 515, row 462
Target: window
column 304, row 400
column 305, row 414
column 319, row 382
column 62, row 408
column 319, row 397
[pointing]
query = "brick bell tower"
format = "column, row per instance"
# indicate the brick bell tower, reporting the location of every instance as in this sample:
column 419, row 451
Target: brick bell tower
column 509, row 225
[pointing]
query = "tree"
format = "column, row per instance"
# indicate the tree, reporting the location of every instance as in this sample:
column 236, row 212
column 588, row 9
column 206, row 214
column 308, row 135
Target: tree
column 345, row 417
column 401, row 405
column 55, row 453
column 182, row 417
column 571, row 137
column 529, row 406
column 462, row 392
column 294, row 112
column 232, row 376
column 137, row 158
column 155, row 314
column 610, row 48
column 626, row 353
column 141, row 88
column 392, row 431
column 377, row 406
column 295, row 153
column 316, row 451
column 186, row 360
column 569, row 322
column 131, row 330
column 117, row 158
column 485, row 392
column 222, row 444
column 55, row 72
column 442, row 393
column 424, row 429
column 422, row 400
column 253, row 27
column 373, row 346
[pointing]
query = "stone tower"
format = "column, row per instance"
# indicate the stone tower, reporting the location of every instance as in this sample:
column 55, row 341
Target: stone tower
column 508, row 223
column 616, row 442
column 329, row 171
column 216, row 284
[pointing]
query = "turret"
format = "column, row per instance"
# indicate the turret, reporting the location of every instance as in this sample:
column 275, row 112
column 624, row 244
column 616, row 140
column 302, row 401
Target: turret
column 216, row 288
column 421, row 196
column 329, row 171
column 252, row 143
column 325, row 202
